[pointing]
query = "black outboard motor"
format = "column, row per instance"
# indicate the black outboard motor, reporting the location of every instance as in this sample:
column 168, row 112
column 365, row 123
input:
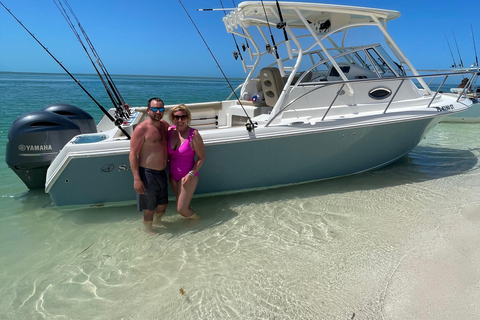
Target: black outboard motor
column 83, row 119
column 34, row 140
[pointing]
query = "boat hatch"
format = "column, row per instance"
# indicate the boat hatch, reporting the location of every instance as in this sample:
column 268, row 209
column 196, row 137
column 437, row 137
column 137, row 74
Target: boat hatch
column 89, row 138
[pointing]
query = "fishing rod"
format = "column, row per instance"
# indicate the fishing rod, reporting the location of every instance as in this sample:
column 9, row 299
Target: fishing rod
column 474, row 47
column 111, row 89
column 245, row 45
column 69, row 21
column 282, row 25
column 271, row 34
column 117, row 122
column 246, row 40
column 461, row 62
column 97, row 57
column 450, row 48
column 236, row 44
column 251, row 125
column 99, row 61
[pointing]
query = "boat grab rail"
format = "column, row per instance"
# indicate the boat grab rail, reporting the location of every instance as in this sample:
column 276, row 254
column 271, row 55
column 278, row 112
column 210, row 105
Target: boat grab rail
column 235, row 90
column 343, row 83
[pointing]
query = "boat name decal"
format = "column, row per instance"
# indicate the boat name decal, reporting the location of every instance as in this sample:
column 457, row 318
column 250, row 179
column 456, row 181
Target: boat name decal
column 445, row 108
column 111, row 167
column 34, row 147
column 123, row 167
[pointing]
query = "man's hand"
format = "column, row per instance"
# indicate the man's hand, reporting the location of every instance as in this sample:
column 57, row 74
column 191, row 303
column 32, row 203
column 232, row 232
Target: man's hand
column 138, row 186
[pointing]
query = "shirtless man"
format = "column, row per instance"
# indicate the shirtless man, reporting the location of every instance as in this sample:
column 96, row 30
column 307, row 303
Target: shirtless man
column 148, row 159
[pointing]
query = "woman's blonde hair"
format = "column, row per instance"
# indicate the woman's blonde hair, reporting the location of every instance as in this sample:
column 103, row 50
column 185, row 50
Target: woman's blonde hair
column 180, row 107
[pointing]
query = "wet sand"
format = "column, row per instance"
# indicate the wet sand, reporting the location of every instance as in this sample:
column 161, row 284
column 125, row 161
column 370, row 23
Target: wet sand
column 439, row 278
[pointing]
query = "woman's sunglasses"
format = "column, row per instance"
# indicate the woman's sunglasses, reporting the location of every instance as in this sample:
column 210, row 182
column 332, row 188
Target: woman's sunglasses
column 182, row 117
column 157, row 109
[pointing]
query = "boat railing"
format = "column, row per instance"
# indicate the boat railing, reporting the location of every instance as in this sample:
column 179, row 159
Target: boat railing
column 471, row 84
column 403, row 79
column 235, row 90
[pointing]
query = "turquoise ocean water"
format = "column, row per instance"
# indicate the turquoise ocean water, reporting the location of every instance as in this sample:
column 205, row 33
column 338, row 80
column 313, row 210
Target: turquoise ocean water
column 339, row 249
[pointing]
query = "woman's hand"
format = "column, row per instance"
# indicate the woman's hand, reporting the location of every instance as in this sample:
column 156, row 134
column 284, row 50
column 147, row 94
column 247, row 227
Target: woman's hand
column 188, row 177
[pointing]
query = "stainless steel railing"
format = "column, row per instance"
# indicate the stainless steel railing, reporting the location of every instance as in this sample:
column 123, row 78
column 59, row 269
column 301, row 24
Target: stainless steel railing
column 325, row 85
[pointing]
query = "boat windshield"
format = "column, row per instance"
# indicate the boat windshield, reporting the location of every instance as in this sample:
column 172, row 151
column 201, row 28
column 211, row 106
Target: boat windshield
column 363, row 62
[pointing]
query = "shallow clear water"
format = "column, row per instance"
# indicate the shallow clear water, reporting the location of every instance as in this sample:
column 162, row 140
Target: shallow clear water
column 347, row 248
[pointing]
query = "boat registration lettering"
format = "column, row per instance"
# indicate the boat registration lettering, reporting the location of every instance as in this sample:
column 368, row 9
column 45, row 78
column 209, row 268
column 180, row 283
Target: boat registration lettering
column 445, row 108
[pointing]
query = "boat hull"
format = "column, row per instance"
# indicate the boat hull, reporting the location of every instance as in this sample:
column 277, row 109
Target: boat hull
column 471, row 115
column 98, row 180
column 94, row 181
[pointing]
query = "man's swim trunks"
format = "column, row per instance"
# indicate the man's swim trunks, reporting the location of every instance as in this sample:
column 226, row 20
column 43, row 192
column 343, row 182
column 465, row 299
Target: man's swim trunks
column 156, row 189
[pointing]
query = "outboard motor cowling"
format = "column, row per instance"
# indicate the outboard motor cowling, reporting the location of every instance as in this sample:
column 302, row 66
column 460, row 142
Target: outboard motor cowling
column 83, row 119
column 34, row 140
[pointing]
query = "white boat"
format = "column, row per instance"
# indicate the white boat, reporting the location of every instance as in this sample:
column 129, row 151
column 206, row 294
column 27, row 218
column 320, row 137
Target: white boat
column 330, row 108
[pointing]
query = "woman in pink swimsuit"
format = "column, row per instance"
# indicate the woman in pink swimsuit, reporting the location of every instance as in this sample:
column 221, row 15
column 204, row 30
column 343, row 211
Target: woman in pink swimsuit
column 184, row 143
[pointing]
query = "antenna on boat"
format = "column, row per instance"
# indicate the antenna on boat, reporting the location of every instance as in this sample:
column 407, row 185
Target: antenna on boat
column 112, row 91
column 238, row 52
column 71, row 76
column 250, row 125
column 474, row 47
column 461, row 62
column 450, row 48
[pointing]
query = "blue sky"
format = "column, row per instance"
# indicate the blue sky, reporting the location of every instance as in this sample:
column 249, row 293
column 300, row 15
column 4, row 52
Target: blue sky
column 155, row 37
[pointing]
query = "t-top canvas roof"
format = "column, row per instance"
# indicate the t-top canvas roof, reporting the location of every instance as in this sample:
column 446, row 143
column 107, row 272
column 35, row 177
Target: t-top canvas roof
column 252, row 13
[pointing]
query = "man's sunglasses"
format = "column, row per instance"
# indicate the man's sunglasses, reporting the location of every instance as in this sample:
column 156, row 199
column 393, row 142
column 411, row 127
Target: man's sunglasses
column 157, row 109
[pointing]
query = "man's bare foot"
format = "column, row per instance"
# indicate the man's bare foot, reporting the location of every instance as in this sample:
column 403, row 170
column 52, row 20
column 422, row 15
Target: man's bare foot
column 148, row 227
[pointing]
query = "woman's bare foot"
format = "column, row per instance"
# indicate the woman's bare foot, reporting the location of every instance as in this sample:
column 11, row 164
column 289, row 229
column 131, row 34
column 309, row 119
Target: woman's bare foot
column 193, row 219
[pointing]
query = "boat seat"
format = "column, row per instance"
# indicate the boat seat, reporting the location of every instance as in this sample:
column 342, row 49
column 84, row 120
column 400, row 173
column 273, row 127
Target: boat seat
column 272, row 85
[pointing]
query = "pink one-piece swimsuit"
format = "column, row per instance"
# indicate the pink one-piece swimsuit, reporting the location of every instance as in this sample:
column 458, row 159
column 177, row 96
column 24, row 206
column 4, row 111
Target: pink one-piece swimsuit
column 182, row 160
